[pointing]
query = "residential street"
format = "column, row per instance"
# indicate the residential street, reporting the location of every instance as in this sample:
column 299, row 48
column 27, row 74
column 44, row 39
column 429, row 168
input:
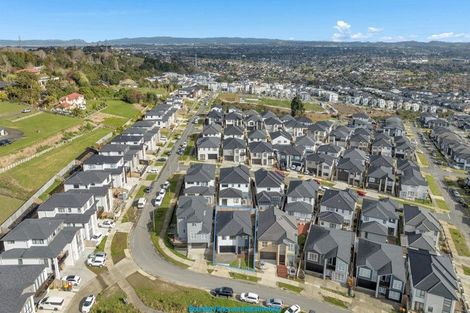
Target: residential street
column 143, row 252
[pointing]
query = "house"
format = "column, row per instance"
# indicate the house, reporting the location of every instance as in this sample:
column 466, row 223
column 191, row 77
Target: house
column 438, row 122
column 234, row 231
column 307, row 142
column 328, row 252
column 208, row 148
column 280, row 138
column 114, row 165
column 276, row 238
column 320, row 130
column 425, row 117
column 412, row 185
column 393, row 126
column 331, row 150
column 273, row 124
column 340, row 136
column 212, row 130
column 300, row 199
column 257, row 135
column 98, row 183
column 234, row 187
column 359, row 141
column 338, row 209
column 294, row 127
column 261, row 153
column 381, row 267
column 233, row 131
column 254, row 121
column 269, row 189
column 194, row 221
column 200, row 181
column 289, row 156
column 234, row 150
column 21, row 285
column 214, row 117
column 381, row 174
column 433, row 283
column 404, row 149
column 361, row 119
column 351, row 170
column 418, row 221
column 320, row 165
column 72, row 101
column 234, row 118
column 382, row 146
column 379, row 220
column 42, row 241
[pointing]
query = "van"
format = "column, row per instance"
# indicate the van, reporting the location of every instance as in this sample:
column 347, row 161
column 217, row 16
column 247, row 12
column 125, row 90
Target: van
column 141, row 203
column 51, row 303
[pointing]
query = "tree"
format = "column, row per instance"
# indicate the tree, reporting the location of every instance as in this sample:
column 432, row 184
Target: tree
column 297, row 107
column 26, row 89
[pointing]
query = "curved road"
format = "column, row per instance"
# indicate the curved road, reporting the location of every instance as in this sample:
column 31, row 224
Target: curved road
column 145, row 256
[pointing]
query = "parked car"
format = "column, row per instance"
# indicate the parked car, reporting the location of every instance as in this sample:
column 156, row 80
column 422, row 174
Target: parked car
column 223, row 292
column 153, row 170
column 73, row 279
column 147, row 189
column 361, row 193
column 162, row 192
column 166, row 185
column 456, row 193
column 88, row 304
column 158, row 200
column 51, row 303
column 141, row 203
column 274, row 303
column 98, row 254
column 295, row 308
column 107, row 224
column 249, row 297
column 96, row 261
column 26, row 111
column 5, row 142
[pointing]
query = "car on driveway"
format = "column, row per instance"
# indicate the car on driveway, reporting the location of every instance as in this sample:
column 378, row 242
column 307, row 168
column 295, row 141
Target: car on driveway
column 88, row 303
column 158, row 200
column 98, row 254
column 274, row 303
column 73, row 279
column 107, row 224
column 295, row 308
column 249, row 297
column 223, row 292
column 153, row 170
column 51, row 303
column 96, row 261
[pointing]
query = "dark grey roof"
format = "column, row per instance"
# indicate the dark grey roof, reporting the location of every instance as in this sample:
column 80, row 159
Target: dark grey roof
column 266, row 178
column 412, row 177
column 290, row 150
column 230, row 193
column 383, row 258
column 299, row 207
column 273, row 120
column 279, row 133
column 329, row 148
column 234, row 223
column 233, row 130
column 380, row 160
column 195, row 210
column 260, row 147
column 351, row 165
column 102, row 159
column 267, row 114
column 320, row 158
column 383, row 209
column 33, row 229
column 235, row 175
column 200, row 172
column 330, row 243
column 423, row 241
column 269, row 198
column 331, row 217
column 340, row 199
column 302, row 189
column 212, row 129
column 433, row 273
column 306, row 141
column 16, row 284
column 276, row 226
column 355, row 154
column 257, row 134
column 114, row 148
column 87, row 178
column 208, row 142
column 418, row 219
column 65, row 200
column 234, row 143
column 199, row 191
column 374, row 228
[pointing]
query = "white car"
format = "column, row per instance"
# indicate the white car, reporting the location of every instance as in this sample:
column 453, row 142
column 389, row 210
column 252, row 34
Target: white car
column 153, row 170
column 97, row 261
column 274, row 303
column 158, row 200
column 51, row 303
column 73, row 279
column 249, row 297
column 107, row 224
column 162, row 192
column 166, row 185
column 295, row 308
column 88, row 304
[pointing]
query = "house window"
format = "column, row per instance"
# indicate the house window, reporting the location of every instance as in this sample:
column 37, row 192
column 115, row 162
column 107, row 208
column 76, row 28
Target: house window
column 430, row 309
column 366, row 218
column 365, row 272
column 397, row 284
column 38, row 241
column 264, row 244
column 394, row 295
column 312, row 256
column 419, row 293
column 61, row 210
column 447, row 306
column 10, row 242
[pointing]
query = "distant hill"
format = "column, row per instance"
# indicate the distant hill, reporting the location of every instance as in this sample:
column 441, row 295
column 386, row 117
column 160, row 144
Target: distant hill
column 164, row 40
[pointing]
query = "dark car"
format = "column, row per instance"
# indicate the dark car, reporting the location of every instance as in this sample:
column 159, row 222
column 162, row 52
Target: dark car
column 223, row 292
column 147, row 189
column 5, row 142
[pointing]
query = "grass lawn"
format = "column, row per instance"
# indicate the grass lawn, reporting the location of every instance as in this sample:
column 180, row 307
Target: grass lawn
column 114, row 122
column 100, row 247
column 285, row 103
column 335, row 301
column 433, row 185
column 466, row 270
column 36, row 129
column 290, row 287
column 118, row 245
column 242, row 263
column 151, row 177
column 459, row 241
column 121, row 108
column 130, row 215
column 422, row 159
column 9, row 205
column 141, row 192
column 249, row 278
column 327, row 183
column 110, row 300
column 9, row 108
column 442, row 204
column 171, row 298
column 47, row 193
column 23, row 180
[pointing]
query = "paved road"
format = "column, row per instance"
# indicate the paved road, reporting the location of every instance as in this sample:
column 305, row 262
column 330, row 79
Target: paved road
column 143, row 253
column 457, row 215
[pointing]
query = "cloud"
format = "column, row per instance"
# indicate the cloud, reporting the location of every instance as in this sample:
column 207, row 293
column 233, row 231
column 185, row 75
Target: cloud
column 344, row 32
column 374, row 30
column 393, row 38
column 450, row 36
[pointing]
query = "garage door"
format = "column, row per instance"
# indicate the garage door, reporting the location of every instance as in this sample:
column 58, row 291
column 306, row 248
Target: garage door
column 268, row 255
column 212, row 156
column 228, row 249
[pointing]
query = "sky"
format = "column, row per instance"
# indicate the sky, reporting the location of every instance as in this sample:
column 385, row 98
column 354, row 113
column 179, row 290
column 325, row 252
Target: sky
column 331, row 20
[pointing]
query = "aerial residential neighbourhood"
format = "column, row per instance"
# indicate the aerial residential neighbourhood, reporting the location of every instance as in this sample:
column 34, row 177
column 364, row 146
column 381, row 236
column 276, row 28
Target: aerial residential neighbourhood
column 209, row 171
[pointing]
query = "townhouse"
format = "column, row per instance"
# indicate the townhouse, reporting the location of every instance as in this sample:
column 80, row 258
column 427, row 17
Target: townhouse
column 379, row 220
column 269, row 189
column 200, row 181
column 234, row 232
column 208, row 148
column 194, row 222
column 320, row 165
column 235, row 187
column 234, row 150
column 338, row 209
column 301, row 196
column 261, row 153
column 421, row 228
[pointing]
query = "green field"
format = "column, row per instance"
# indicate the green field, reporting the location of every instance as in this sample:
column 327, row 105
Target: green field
column 290, row 287
column 118, row 245
column 36, row 128
column 121, row 108
column 433, row 185
column 9, row 205
column 459, row 242
column 114, row 122
column 285, row 103
column 442, row 204
column 21, row 182
column 111, row 300
column 10, row 108
column 422, row 159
